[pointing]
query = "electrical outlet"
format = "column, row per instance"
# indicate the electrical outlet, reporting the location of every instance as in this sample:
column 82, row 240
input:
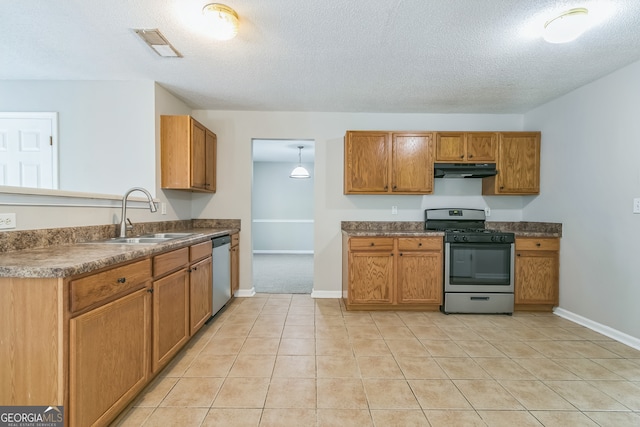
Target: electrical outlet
column 7, row 220
column 163, row 208
column 636, row 205
column 487, row 211
column 394, row 210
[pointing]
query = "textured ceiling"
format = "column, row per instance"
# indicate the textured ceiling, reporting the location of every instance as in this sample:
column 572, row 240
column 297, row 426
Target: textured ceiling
column 411, row 56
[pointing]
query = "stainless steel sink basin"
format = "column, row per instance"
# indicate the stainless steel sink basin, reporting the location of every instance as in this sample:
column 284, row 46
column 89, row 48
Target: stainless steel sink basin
column 146, row 239
column 136, row 240
column 167, row 235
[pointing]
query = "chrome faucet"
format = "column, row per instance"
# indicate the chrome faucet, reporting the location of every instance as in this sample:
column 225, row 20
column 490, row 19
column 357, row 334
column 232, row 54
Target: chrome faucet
column 123, row 217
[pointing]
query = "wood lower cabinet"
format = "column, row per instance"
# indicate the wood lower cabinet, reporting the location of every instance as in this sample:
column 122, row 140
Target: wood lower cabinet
column 170, row 316
column 420, row 271
column 518, row 165
column 392, row 273
column 188, row 154
column 537, row 271
column 200, row 294
column 466, row 147
column 234, row 250
column 388, row 162
column 108, row 358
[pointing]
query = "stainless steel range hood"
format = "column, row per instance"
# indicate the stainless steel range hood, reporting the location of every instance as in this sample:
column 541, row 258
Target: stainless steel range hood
column 464, row 170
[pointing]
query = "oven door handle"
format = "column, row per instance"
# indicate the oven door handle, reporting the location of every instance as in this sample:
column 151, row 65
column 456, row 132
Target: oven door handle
column 479, row 298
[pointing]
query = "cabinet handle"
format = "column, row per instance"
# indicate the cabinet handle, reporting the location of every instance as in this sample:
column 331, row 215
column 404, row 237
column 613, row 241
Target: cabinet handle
column 419, row 244
column 395, row 187
column 517, row 254
column 400, row 253
column 122, row 279
column 150, row 290
column 462, row 156
column 538, row 244
column 372, row 244
column 386, row 187
column 471, row 156
column 502, row 187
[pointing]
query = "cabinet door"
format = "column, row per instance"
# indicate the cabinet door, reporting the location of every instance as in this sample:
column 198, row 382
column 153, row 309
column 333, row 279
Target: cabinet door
column 200, row 294
column 366, row 162
column 108, row 358
column 210, row 150
column 198, row 156
column 412, row 166
column 420, row 277
column 170, row 316
column 450, row 147
column 519, row 163
column 370, row 277
column 235, row 269
column 536, row 277
column 481, row 146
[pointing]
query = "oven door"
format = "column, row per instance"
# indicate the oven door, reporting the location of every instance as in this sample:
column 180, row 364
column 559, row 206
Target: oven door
column 478, row 267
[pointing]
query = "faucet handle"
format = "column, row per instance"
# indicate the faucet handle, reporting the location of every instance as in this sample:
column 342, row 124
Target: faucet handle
column 130, row 225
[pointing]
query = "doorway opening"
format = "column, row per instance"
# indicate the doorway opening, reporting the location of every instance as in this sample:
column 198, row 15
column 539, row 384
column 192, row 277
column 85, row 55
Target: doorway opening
column 282, row 212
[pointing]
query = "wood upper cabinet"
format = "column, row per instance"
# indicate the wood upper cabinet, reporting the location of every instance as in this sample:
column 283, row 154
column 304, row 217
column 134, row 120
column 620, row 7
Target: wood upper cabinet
column 466, row 147
column 188, row 154
column 387, row 273
column 234, row 250
column 518, row 165
column 108, row 358
column 379, row 162
column 537, row 271
column 366, row 162
column 420, row 270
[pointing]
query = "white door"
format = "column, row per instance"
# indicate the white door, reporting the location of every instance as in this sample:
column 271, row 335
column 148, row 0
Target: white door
column 28, row 150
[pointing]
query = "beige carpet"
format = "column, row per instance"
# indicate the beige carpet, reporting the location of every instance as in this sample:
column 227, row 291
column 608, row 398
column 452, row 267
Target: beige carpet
column 283, row 273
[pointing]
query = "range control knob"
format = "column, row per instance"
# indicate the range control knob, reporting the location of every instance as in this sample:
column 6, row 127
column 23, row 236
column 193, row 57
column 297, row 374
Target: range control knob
column 464, row 238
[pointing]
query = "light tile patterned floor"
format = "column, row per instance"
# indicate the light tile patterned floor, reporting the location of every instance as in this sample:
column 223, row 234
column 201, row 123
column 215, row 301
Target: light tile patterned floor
column 290, row 360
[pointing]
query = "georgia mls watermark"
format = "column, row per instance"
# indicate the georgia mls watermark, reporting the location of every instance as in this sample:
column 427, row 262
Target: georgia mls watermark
column 31, row 416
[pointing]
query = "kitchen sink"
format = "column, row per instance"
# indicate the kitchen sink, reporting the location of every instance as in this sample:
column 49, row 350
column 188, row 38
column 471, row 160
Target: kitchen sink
column 146, row 239
column 135, row 240
column 167, row 235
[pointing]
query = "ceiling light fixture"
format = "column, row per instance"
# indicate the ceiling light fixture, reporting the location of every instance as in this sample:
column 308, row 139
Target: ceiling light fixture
column 299, row 171
column 567, row 26
column 158, row 43
column 224, row 20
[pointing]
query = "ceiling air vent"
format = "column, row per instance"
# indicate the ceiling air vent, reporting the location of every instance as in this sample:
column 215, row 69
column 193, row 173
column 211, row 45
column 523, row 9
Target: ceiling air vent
column 158, row 43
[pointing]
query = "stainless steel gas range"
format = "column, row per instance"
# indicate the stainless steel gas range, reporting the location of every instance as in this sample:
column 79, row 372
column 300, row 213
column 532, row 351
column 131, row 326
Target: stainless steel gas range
column 478, row 263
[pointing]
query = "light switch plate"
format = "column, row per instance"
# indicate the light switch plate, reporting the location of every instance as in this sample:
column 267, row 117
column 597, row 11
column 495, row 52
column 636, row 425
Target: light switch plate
column 394, row 210
column 7, row 220
column 636, row 206
column 487, row 211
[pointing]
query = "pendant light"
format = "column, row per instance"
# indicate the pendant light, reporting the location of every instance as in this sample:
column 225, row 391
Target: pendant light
column 299, row 171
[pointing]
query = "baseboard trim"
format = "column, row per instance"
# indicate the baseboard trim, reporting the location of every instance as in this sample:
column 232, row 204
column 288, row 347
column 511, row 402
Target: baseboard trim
column 282, row 252
column 244, row 293
column 600, row 328
column 326, row 294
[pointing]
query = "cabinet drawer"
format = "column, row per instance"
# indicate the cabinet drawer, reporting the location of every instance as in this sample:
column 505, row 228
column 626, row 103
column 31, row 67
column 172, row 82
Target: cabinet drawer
column 420, row 243
column 98, row 287
column 200, row 251
column 170, row 261
column 373, row 243
column 235, row 239
column 535, row 244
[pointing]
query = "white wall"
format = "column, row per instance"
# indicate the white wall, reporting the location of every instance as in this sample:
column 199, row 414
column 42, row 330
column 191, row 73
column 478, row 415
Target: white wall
column 236, row 129
column 111, row 123
column 282, row 208
column 105, row 130
column 590, row 172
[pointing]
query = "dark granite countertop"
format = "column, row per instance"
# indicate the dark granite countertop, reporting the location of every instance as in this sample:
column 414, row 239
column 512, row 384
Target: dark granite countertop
column 416, row 228
column 73, row 257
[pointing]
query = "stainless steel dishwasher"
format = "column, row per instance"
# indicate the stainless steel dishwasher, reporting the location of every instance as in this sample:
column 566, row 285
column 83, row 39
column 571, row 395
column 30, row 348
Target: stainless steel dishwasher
column 221, row 273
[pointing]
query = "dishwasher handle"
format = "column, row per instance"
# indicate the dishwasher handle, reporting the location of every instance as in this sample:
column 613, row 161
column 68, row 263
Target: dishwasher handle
column 221, row 241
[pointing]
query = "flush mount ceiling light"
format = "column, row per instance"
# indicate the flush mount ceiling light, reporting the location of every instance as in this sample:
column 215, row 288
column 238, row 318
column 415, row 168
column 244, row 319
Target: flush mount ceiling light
column 158, row 43
column 223, row 20
column 567, row 26
column 299, row 171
